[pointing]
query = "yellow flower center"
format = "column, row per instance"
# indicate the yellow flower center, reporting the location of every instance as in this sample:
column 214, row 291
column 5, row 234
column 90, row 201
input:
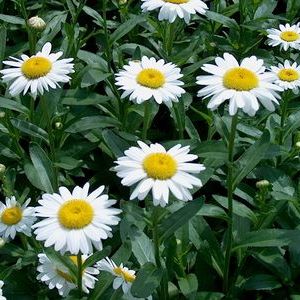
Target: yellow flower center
column 177, row 1
column 124, row 274
column 75, row 214
column 11, row 216
column 288, row 75
column 240, row 79
column 160, row 166
column 151, row 78
column 36, row 67
column 289, row 36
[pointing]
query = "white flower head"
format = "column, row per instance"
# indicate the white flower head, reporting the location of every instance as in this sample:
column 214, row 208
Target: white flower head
column 38, row 72
column 15, row 218
column 124, row 276
column 287, row 76
column 154, row 168
column 242, row 84
column 76, row 221
column 287, row 36
column 1, row 292
column 171, row 9
column 148, row 78
column 56, row 275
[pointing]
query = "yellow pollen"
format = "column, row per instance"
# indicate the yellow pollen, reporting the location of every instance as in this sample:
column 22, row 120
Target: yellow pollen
column 289, row 36
column 160, row 166
column 288, row 75
column 36, row 67
column 75, row 214
column 151, row 78
column 124, row 274
column 240, row 79
column 177, row 1
column 11, row 216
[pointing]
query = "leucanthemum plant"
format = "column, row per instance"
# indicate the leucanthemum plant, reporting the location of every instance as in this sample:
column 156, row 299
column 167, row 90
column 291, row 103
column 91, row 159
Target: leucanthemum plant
column 124, row 277
column 15, row 218
column 38, row 72
column 1, row 292
column 56, row 275
column 153, row 168
column 172, row 9
column 76, row 221
column 286, row 36
column 287, row 75
column 149, row 78
column 242, row 84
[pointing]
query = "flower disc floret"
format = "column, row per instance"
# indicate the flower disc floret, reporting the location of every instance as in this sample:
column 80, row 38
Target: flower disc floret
column 240, row 79
column 11, row 216
column 151, row 78
column 36, row 67
column 288, row 75
column 289, row 36
column 75, row 214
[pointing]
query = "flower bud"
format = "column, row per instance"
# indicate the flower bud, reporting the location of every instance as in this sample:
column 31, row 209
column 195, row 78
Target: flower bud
column 58, row 125
column 122, row 2
column 297, row 145
column 2, row 242
column 2, row 114
column 262, row 184
column 37, row 23
column 2, row 169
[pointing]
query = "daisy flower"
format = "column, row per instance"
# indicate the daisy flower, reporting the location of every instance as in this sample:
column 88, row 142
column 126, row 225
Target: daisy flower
column 15, row 218
column 242, row 84
column 161, row 171
column 56, row 275
column 287, row 36
column 1, row 293
column 287, row 76
column 75, row 221
column 171, row 9
column 124, row 276
column 149, row 78
column 38, row 72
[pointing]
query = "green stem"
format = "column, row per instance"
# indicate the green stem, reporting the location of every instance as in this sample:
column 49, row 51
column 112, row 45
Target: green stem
column 147, row 119
column 163, row 293
column 230, row 190
column 179, row 121
column 169, row 34
column 79, row 273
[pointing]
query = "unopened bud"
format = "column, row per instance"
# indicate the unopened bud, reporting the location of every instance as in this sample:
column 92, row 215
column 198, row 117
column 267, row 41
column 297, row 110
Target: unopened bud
column 2, row 114
column 37, row 23
column 58, row 125
column 2, row 242
column 262, row 184
column 122, row 2
column 2, row 169
column 297, row 145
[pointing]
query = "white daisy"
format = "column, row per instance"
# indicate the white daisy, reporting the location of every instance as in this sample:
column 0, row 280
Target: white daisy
column 287, row 76
column 124, row 276
column 15, row 218
column 242, row 84
column 1, row 293
column 38, row 72
column 75, row 221
column 171, row 9
column 149, row 78
column 56, row 274
column 287, row 36
column 161, row 171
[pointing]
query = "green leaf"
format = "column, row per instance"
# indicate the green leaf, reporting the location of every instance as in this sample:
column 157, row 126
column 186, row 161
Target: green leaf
column 225, row 21
column 3, row 34
column 92, row 76
column 95, row 257
column 268, row 238
column 91, row 122
column 179, row 218
column 126, row 27
column 147, row 280
column 83, row 97
column 12, row 19
column 13, row 105
column 188, row 285
column 32, row 175
column 212, row 149
column 43, row 166
column 262, row 282
column 248, row 161
column 30, row 129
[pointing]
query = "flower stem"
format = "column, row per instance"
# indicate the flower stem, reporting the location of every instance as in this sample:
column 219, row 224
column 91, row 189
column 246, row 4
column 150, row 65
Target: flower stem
column 179, row 120
column 147, row 119
column 79, row 273
column 230, row 190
